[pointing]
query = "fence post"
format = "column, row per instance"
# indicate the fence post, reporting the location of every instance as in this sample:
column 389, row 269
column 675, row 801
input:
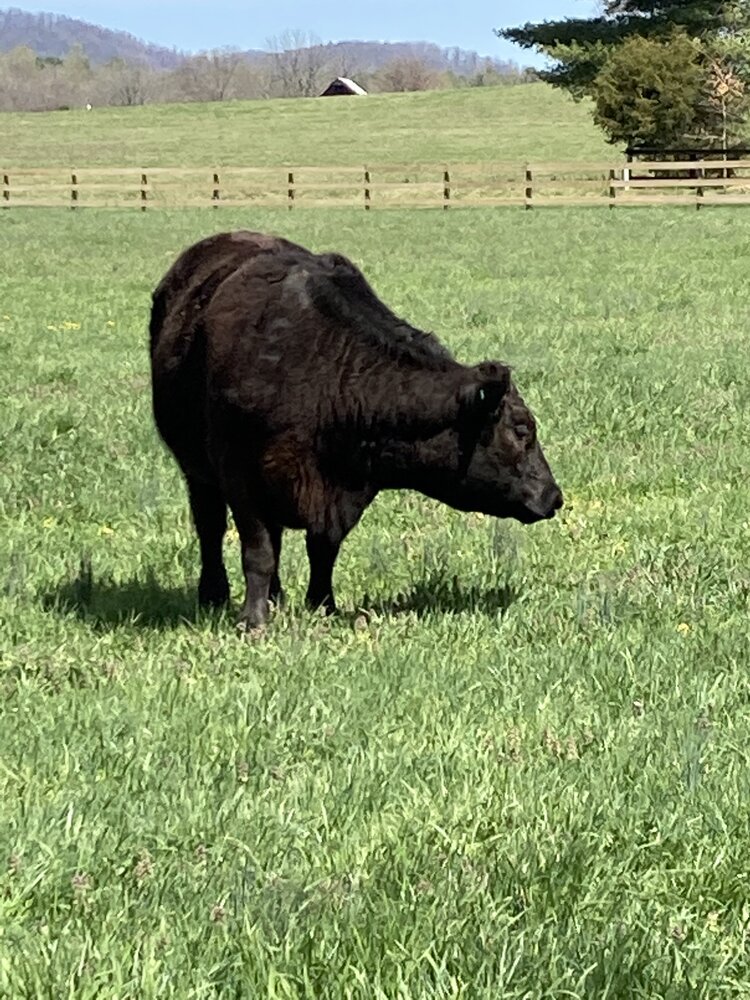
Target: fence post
column 612, row 188
column 73, row 191
column 529, row 188
column 144, row 192
column 6, row 190
column 699, row 189
column 367, row 190
column 446, row 190
column 216, row 193
column 290, row 190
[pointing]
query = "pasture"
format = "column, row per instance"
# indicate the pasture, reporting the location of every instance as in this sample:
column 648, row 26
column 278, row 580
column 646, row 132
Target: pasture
column 516, row 765
column 459, row 126
column 250, row 154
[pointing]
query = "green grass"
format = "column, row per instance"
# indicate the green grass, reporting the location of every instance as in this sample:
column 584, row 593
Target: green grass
column 515, row 766
column 504, row 123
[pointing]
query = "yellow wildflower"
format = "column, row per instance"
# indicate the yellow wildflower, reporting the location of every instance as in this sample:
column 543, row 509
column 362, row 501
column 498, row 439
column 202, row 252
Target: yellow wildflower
column 48, row 522
column 683, row 628
column 105, row 530
column 68, row 325
column 6, row 317
column 110, row 322
column 52, row 328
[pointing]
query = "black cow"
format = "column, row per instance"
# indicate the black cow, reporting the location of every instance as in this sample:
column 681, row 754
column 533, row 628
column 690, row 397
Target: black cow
column 288, row 391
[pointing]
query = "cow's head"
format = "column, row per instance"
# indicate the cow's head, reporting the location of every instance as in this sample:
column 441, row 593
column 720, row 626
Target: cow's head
column 501, row 469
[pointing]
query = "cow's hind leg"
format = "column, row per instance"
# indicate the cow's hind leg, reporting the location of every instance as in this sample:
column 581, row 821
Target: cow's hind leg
column 322, row 551
column 210, row 518
column 275, row 592
column 258, row 565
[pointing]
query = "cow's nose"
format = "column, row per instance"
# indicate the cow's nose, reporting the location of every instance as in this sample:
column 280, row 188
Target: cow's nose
column 554, row 500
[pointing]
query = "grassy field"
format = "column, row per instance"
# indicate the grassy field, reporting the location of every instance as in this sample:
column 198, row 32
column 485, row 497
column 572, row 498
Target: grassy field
column 462, row 126
column 515, row 766
column 483, row 136
column 397, row 147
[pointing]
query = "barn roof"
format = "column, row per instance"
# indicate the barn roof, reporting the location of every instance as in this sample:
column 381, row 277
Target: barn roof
column 350, row 85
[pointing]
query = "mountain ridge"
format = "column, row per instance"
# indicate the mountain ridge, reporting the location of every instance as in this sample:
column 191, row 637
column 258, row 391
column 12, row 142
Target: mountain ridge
column 52, row 35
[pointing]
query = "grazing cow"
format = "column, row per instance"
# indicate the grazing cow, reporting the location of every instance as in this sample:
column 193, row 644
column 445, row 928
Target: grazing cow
column 288, row 391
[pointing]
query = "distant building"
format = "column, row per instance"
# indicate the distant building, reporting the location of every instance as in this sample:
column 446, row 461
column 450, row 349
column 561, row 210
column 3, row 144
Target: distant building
column 342, row 86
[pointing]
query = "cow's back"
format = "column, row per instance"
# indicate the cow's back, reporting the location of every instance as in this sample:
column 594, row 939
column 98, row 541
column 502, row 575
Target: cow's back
column 178, row 349
column 194, row 277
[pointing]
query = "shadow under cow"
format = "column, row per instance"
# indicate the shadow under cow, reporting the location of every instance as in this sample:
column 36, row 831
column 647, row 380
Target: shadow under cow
column 439, row 593
column 103, row 603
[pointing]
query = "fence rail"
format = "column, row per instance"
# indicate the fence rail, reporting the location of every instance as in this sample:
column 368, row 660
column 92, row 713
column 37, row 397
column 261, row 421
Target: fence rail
column 696, row 182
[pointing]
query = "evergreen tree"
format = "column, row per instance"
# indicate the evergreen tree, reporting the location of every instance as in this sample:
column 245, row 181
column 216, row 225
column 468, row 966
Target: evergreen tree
column 579, row 48
column 648, row 90
column 660, row 72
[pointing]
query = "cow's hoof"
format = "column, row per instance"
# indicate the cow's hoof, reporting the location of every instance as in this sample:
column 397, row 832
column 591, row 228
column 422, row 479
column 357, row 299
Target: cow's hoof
column 251, row 624
column 249, row 632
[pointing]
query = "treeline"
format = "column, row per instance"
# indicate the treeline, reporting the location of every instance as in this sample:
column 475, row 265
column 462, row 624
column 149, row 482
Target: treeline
column 29, row 82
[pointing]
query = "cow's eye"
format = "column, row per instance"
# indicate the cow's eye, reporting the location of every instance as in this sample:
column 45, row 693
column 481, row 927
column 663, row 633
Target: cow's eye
column 523, row 431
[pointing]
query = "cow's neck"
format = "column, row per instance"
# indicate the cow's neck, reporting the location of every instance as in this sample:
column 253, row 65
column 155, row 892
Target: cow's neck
column 416, row 465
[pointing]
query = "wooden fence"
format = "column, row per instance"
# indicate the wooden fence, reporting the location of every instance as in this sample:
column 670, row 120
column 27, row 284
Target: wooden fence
column 697, row 183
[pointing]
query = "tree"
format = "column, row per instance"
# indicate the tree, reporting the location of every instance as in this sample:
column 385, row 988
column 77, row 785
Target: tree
column 19, row 74
column 660, row 71
column 402, row 75
column 493, row 74
column 579, row 47
column 252, row 81
column 648, row 91
column 122, row 83
column 341, row 59
column 209, row 75
column 727, row 103
column 298, row 61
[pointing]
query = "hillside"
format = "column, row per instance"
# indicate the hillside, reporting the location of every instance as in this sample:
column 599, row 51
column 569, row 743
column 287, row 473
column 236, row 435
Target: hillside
column 55, row 35
column 460, row 126
column 369, row 57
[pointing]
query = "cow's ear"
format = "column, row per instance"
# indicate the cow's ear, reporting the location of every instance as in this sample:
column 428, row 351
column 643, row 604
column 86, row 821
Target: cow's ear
column 485, row 394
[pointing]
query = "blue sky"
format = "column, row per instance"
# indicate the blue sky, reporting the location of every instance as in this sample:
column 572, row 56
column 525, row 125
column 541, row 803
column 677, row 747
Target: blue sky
column 204, row 24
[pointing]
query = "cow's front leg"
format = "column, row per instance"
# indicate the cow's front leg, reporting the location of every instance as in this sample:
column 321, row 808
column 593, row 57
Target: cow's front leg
column 324, row 542
column 322, row 551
